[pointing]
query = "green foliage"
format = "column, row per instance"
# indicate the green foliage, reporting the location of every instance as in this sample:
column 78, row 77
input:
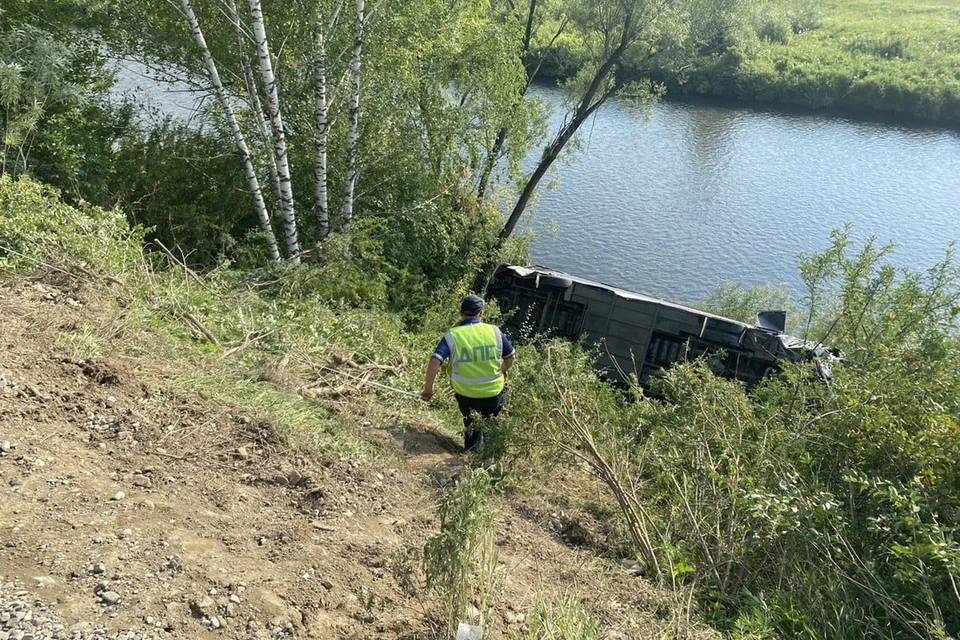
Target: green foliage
column 178, row 181
column 52, row 124
column 870, row 309
column 733, row 300
column 803, row 509
column 868, row 55
column 461, row 560
column 774, row 28
column 34, row 80
column 36, row 226
column 856, row 492
column 563, row 59
column 530, row 413
column 437, row 78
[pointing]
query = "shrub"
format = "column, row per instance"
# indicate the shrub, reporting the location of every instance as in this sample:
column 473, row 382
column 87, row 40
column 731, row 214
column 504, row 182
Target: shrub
column 36, row 226
column 804, row 16
column 802, row 509
column 774, row 28
column 178, row 181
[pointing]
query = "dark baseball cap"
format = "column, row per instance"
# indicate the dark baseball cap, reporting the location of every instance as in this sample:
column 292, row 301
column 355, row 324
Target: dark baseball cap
column 471, row 305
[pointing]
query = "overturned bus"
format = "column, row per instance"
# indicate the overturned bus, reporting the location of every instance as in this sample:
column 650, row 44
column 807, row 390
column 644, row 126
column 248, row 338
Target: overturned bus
column 637, row 334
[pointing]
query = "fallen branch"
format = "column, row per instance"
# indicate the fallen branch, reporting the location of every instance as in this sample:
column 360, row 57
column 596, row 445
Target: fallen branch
column 180, row 262
column 41, row 263
column 196, row 324
column 249, row 339
column 347, row 361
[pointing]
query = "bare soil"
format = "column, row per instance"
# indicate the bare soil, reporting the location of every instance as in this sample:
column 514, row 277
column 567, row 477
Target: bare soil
column 117, row 480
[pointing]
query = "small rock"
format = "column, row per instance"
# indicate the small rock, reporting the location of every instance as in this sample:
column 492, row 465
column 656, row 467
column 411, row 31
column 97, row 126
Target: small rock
column 235, row 599
column 242, row 453
column 204, row 607
column 5, row 446
column 15, row 482
column 174, row 563
column 214, row 622
column 111, row 402
column 110, row 597
column 632, row 567
column 119, row 495
column 37, row 393
column 141, row 481
column 97, row 569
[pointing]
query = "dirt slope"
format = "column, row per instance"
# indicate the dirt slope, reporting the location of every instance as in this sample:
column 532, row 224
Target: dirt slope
column 130, row 507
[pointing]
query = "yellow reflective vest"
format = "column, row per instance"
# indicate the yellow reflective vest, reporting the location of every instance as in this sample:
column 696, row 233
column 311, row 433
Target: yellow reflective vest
column 476, row 356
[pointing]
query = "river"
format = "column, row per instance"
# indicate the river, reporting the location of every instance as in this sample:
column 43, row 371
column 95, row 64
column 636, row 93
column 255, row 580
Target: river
column 671, row 205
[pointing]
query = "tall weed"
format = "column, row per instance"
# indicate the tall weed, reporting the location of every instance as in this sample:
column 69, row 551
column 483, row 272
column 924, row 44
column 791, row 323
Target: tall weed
column 461, row 560
column 566, row 619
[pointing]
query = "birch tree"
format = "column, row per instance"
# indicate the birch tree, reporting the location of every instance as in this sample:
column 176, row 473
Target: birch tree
column 279, row 137
column 322, row 117
column 353, row 135
column 320, row 206
column 435, row 76
column 239, row 139
column 253, row 93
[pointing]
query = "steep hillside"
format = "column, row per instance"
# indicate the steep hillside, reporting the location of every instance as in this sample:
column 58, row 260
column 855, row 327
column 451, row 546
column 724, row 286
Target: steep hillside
column 136, row 508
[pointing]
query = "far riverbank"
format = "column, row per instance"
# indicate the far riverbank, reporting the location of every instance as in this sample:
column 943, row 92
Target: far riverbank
column 872, row 59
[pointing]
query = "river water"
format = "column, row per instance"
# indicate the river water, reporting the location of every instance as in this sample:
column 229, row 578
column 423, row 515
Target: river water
column 671, row 205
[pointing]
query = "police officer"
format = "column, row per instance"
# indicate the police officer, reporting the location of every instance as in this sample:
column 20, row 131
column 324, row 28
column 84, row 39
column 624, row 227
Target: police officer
column 480, row 356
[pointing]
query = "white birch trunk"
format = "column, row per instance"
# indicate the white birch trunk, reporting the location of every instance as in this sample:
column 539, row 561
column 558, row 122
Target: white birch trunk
column 238, row 138
column 253, row 94
column 279, row 137
column 353, row 135
column 321, row 206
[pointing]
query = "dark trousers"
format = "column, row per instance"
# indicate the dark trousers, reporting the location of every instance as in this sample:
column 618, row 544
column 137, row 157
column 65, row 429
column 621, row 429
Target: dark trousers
column 469, row 407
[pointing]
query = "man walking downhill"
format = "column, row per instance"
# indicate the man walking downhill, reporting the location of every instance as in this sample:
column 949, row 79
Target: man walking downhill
column 480, row 356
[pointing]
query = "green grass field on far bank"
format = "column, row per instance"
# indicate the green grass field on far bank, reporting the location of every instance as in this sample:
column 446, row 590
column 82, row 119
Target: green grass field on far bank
column 898, row 58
